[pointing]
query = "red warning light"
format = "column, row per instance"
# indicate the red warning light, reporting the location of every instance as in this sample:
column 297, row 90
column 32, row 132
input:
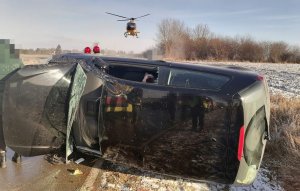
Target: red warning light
column 96, row 49
column 87, row 50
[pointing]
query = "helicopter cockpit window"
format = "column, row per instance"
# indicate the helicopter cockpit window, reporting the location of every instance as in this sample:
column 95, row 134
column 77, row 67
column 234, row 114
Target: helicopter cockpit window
column 143, row 74
column 131, row 26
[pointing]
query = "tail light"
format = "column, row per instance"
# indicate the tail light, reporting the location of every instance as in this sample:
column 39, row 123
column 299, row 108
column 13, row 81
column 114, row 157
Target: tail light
column 260, row 78
column 241, row 143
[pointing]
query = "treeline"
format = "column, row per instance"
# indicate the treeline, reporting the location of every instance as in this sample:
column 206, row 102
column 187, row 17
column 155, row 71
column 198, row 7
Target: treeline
column 58, row 50
column 177, row 41
column 47, row 51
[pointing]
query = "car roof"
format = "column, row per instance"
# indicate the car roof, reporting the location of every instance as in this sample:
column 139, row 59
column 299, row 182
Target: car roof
column 218, row 68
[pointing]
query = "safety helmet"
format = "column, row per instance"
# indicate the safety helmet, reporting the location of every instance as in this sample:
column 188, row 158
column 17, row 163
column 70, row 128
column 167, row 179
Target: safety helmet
column 87, row 50
column 96, row 49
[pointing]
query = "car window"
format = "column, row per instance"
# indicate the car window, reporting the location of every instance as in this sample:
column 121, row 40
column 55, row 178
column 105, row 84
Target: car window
column 141, row 74
column 195, row 79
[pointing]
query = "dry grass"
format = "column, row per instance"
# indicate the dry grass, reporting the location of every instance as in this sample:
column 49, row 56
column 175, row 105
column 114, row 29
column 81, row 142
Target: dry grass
column 285, row 125
column 283, row 151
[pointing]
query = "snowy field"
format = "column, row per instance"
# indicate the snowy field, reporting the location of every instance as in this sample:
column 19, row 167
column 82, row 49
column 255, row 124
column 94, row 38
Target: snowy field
column 118, row 177
column 282, row 78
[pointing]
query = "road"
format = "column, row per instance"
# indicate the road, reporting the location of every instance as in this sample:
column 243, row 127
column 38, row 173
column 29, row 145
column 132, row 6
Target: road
column 37, row 173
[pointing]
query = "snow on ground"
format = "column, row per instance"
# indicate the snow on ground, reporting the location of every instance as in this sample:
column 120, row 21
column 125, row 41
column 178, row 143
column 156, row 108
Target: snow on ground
column 119, row 177
column 282, row 78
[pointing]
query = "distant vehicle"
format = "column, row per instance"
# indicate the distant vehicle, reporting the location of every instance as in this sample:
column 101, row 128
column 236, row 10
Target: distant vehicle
column 199, row 122
column 131, row 25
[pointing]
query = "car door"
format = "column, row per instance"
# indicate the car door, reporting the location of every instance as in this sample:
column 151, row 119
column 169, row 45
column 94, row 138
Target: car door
column 175, row 127
column 197, row 145
column 134, row 112
column 39, row 106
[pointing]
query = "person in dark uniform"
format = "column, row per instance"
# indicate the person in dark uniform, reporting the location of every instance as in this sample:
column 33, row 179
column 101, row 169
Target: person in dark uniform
column 135, row 98
column 2, row 149
column 197, row 114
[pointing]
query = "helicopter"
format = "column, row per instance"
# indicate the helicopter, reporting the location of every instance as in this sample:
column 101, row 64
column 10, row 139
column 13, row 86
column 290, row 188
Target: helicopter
column 131, row 25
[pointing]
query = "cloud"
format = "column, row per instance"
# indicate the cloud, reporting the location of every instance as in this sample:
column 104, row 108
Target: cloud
column 282, row 18
column 221, row 13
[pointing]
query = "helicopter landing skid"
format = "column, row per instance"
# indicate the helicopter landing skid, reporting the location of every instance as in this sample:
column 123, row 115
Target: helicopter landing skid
column 131, row 34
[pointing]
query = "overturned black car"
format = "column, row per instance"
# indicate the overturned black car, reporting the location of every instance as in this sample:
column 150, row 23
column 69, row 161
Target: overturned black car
column 194, row 121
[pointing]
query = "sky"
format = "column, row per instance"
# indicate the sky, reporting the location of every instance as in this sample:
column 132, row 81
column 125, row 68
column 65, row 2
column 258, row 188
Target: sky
column 75, row 24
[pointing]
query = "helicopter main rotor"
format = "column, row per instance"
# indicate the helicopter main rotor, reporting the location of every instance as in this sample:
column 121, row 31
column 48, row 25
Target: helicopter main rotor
column 126, row 18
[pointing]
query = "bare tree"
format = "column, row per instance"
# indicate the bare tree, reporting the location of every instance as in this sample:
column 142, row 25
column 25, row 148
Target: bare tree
column 172, row 37
column 176, row 41
column 201, row 32
column 295, row 54
column 249, row 50
column 58, row 50
column 277, row 50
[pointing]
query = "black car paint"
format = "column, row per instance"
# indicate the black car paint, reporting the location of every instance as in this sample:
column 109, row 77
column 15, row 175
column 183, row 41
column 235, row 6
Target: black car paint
column 161, row 133
column 157, row 133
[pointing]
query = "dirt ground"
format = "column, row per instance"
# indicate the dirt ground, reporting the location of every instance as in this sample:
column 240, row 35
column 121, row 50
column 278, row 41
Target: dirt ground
column 29, row 59
column 38, row 173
